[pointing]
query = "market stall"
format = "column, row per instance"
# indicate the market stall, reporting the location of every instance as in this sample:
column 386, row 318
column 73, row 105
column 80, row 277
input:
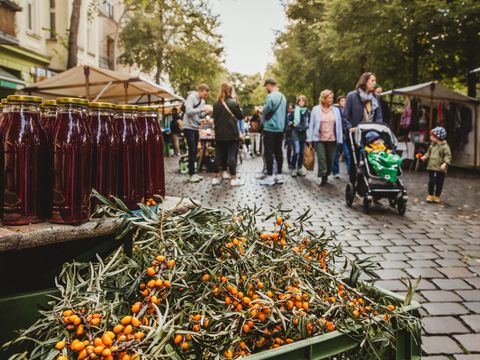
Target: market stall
column 432, row 104
column 96, row 84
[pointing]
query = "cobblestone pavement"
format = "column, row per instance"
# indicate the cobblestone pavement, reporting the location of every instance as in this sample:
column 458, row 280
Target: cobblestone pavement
column 440, row 243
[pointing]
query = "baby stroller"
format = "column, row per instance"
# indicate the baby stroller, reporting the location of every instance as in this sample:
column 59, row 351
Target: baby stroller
column 363, row 178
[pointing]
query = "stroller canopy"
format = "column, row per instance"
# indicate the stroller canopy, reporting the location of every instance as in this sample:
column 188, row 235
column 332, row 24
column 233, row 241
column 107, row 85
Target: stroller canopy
column 383, row 129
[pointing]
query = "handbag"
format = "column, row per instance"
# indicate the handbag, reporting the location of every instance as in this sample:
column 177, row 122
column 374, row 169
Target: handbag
column 309, row 158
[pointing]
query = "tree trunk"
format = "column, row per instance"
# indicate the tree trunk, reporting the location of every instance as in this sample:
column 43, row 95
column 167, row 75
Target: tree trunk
column 73, row 34
column 116, row 37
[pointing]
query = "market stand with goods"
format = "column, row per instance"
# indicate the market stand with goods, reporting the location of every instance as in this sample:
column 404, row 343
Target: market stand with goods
column 211, row 285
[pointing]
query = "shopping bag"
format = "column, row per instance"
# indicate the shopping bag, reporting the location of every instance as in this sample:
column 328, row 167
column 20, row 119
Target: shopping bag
column 309, row 158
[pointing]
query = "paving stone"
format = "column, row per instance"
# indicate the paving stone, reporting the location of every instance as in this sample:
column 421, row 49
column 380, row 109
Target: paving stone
column 443, row 325
column 440, row 345
column 425, row 273
column 445, row 308
column 422, row 256
column 469, row 295
column 392, row 285
column 399, row 249
column 475, row 282
column 449, row 262
column 393, row 264
column 422, row 264
column 390, row 274
column 456, row 272
column 440, row 296
column 466, row 357
column 473, row 321
column 451, row 284
column 471, row 342
column 473, row 306
column 435, row 357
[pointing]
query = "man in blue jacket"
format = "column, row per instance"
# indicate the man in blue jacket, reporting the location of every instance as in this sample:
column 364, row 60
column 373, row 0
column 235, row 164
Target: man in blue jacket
column 274, row 119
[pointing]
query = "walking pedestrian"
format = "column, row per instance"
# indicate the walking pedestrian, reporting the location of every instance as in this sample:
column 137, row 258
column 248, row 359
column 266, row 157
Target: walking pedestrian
column 300, row 123
column 325, row 131
column 439, row 157
column 274, row 119
column 176, row 131
column 361, row 106
column 255, row 132
column 226, row 113
column 341, row 149
column 195, row 107
column 288, row 136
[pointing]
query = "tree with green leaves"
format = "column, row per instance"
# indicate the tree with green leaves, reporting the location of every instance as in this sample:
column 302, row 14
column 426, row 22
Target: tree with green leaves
column 328, row 44
column 177, row 40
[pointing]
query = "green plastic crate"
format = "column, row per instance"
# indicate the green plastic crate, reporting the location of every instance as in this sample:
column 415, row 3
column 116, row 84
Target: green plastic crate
column 23, row 311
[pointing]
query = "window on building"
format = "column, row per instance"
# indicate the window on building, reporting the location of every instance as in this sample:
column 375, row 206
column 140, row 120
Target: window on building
column 30, row 15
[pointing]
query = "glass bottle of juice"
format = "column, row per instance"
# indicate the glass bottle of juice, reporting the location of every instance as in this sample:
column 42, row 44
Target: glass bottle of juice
column 24, row 145
column 130, row 156
column 72, row 163
column 153, row 166
column 4, row 113
column 49, row 116
column 105, row 148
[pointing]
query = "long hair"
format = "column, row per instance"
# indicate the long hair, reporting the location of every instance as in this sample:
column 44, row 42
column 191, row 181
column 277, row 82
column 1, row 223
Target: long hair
column 226, row 90
column 302, row 97
column 362, row 82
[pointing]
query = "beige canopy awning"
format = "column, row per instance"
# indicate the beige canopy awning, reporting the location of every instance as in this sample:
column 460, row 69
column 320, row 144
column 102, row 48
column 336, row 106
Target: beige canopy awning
column 97, row 84
column 433, row 91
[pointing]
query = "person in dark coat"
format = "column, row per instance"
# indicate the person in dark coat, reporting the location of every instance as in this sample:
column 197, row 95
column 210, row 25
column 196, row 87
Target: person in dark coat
column 361, row 106
column 226, row 113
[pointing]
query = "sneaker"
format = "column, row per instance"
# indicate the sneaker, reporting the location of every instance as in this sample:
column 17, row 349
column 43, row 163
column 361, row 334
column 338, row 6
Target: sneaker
column 302, row 172
column 337, row 176
column 226, row 176
column 268, row 180
column 216, row 181
column 436, row 199
column 237, row 182
column 294, row 173
column 429, row 199
column 195, row 178
column 278, row 179
column 260, row 176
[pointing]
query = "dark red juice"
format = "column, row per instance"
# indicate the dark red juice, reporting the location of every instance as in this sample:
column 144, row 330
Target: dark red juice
column 105, row 149
column 130, row 157
column 72, row 163
column 154, row 173
column 49, row 117
column 24, row 146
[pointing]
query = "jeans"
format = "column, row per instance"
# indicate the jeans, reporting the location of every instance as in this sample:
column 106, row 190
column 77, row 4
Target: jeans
column 346, row 154
column 298, row 152
column 272, row 143
column 325, row 155
column 290, row 150
column 192, row 137
column 435, row 182
column 226, row 155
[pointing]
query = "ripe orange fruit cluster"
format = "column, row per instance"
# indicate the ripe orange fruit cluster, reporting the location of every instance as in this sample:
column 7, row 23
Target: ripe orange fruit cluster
column 150, row 202
column 238, row 243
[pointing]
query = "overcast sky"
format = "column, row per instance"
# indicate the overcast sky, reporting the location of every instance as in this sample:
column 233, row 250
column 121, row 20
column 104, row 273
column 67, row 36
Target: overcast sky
column 248, row 28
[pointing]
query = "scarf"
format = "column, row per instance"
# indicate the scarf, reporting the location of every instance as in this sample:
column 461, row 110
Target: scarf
column 370, row 104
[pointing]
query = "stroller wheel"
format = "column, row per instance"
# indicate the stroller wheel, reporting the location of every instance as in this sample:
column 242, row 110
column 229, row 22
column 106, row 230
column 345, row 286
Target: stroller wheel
column 401, row 206
column 349, row 194
column 367, row 205
column 392, row 202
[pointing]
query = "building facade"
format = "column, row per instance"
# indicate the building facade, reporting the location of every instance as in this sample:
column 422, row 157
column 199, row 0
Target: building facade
column 34, row 34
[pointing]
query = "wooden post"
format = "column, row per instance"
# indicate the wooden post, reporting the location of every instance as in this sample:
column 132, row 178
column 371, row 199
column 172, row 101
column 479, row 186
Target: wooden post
column 125, row 85
column 432, row 89
column 86, row 72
